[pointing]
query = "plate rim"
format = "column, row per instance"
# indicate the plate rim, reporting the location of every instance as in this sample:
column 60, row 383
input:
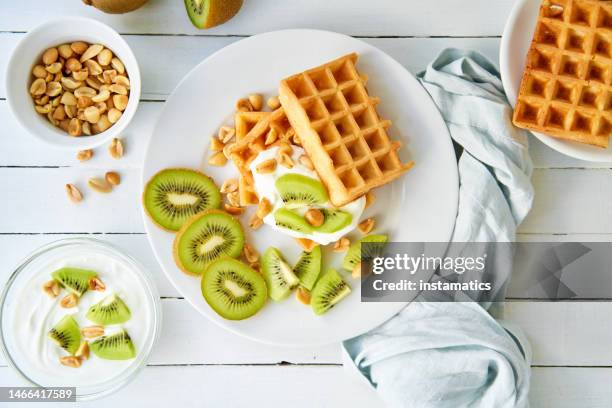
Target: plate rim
column 565, row 147
column 220, row 323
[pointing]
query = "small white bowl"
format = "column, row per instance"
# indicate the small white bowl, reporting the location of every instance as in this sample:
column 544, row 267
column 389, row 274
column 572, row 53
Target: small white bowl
column 28, row 53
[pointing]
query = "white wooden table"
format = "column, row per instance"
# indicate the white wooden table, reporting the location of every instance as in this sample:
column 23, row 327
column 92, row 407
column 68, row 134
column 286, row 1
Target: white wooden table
column 198, row 364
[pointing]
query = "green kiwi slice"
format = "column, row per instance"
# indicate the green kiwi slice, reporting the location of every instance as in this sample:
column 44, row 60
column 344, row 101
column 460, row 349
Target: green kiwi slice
column 297, row 190
column 75, row 280
column 353, row 256
column 117, row 346
column 172, row 196
column 233, row 289
column 110, row 310
column 329, row 290
column 206, row 237
column 334, row 221
column 289, row 219
column 278, row 274
column 308, row 267
column 66, row 334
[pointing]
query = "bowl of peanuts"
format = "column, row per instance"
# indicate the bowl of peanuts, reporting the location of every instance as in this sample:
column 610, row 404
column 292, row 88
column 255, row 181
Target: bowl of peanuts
column 73, row 82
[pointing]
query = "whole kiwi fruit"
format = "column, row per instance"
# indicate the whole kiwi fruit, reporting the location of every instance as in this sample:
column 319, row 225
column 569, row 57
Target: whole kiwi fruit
column 115, row 6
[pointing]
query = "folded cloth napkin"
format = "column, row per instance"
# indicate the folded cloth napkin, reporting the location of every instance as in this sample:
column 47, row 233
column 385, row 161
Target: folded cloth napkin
column 455, row 354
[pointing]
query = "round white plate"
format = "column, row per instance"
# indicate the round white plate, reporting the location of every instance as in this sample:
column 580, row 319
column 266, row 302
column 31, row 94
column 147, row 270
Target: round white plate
column 421, row 206
column 512, row 54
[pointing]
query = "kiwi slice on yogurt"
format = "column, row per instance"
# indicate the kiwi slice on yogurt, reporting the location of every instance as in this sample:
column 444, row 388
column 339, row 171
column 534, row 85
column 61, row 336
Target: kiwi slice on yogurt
column 117, row 346
column 297, row 190
column 289, row 219
column 110, row 310
column 66, row 334
column 75, row 280
column 334, row 220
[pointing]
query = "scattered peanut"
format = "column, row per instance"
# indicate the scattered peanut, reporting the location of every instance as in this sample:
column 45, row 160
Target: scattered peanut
column 96, row 284
column 84, row 155
column 69, row 301
column 302, row 295
column 234, row 198
column 99, row 185
column 306, row 162
column 243, row 105
column 116, row 148
column 255, row 222
column 366, row 226
column 92, row 331
column 263, row 208
column 73, row 193
column 306, row 244
column 216, row 145
column 83, row 351
column 250, row 254
column 342, row 245
column 233, row 209
column 256, row 101
column 314, row 217
column 266, row 166
column 226, row 134
column 369, row 199
column 356, row 272
column 271, row 136
column 229, row 186
column 285, row 160
column 217, row 159
column 273, row 103
column 113, row 178
column 52, row 288
column 71, row 361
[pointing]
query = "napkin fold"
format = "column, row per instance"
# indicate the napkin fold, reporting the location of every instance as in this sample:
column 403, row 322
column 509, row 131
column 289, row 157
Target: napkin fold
column 455, row 354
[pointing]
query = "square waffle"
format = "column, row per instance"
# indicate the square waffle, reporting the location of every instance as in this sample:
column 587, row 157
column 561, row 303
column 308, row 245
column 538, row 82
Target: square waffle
column 251, row 131
column 339, row 127
column 566, row 86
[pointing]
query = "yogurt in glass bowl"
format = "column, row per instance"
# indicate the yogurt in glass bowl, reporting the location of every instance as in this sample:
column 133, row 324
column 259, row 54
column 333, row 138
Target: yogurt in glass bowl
column 28, row 314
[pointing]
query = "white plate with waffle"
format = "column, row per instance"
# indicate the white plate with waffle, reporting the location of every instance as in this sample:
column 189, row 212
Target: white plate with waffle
column 569, row 91
column 419, row 206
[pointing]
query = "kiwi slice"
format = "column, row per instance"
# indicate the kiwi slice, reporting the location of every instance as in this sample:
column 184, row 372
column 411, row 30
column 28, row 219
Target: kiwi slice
column 297, row 190
column 211, row 13
column 278, row 274
column 233, row 289
column 117, row 346
column 334, row 221
column 66, row 334
column 172, row 196
column 75, row 280
column 329, row 290
column 291, row 220
column 308, row 267
column 110, row 310
column 206, row 237
column 353, row 256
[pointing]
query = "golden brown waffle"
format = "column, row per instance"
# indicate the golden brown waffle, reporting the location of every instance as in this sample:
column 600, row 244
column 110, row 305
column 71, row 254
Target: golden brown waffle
column 566, row 86
column 251, row 131
column 337, row 123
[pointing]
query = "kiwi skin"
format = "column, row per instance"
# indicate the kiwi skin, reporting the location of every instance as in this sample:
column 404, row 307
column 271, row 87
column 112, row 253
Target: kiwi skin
column 219, row 12
column 175, row 248
column 144, row 191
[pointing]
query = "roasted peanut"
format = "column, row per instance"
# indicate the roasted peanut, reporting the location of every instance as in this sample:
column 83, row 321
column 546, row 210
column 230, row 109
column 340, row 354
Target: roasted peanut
column 314, row 217
column 256, row 101
column 273, row 103
column 113, row 178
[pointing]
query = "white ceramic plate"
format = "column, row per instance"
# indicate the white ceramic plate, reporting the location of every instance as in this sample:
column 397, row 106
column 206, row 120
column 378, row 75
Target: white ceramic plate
column 421, row 206
column 513, row 52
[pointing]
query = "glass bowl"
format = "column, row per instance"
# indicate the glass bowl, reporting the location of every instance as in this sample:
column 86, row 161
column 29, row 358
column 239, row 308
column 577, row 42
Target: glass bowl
column 34, row 357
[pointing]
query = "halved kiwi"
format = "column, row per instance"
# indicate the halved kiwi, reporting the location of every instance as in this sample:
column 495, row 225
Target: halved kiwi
column 110, row 310
column 117, row 346
column 329, row 290
column 278, row 274
column 172, row 196
column 210, row 13
column 353, row 256
column 334, row 220
column 291, row 220
column 66, row 334
column 308, row 267
column 75, row 280
column 206, row 237
column 233, row 289
column 297, row 190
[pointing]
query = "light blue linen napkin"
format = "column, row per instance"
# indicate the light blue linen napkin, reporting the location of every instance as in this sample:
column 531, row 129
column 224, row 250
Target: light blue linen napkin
column 455, row 354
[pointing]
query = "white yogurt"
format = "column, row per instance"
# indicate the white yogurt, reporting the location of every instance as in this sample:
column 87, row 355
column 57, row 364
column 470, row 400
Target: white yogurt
column 265, row 187
column 36, row 313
